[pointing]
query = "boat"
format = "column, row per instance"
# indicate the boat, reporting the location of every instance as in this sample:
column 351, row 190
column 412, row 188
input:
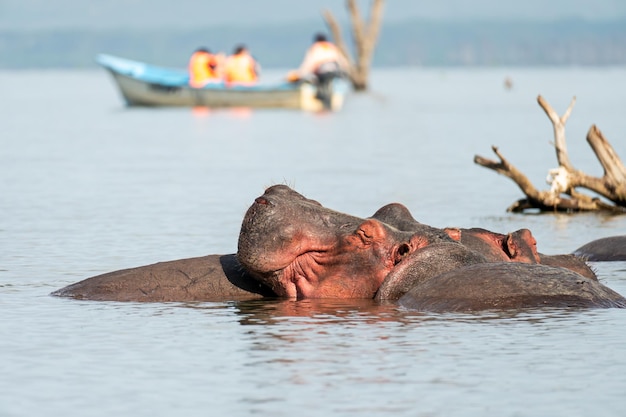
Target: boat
column 142, row 84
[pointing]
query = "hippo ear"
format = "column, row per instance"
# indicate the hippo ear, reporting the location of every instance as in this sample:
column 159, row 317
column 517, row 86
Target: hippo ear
column 453, row 232
column 522, row 246
column 370, row 231
column 511, row 247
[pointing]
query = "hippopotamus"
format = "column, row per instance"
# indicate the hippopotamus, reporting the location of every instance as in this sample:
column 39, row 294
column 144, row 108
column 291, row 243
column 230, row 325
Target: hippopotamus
column 518, row 246
column 301, row 249
column 605, row 249
column 346, row 257
column 293, row 247
column 467, row 281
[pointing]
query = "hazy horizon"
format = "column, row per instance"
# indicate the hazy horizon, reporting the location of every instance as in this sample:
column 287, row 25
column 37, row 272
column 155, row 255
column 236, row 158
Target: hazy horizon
column 142, row 14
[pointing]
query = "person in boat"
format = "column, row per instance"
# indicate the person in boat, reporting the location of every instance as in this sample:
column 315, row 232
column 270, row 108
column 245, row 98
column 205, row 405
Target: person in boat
column 322, row 59
column 241, row 68
column 204, row 67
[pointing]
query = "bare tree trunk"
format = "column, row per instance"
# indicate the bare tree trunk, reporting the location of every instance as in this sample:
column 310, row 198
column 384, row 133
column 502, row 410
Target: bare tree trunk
column 564, row 180
column 365, row 37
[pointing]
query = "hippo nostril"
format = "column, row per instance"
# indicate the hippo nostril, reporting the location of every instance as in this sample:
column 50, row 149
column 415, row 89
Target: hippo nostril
column 262, row 200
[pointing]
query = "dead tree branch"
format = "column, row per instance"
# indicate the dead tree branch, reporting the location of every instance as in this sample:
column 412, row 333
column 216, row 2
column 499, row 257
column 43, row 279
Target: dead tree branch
column 558, row 124
column 365, row 36
column 335, row 30
column 565, row 180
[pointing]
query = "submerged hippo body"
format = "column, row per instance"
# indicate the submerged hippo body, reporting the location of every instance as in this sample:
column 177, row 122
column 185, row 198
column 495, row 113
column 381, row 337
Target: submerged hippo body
column 605, row 249
column 207, row 278
column 507, row 285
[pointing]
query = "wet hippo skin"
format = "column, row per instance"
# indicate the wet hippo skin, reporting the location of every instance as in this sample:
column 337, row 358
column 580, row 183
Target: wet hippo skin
column 206, row 278
column 506, row 285
column 607, row 249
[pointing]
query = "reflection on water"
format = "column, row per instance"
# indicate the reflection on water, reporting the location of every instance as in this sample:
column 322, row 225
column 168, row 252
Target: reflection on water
column 347, row 312
column 89, row 186
column 314, row 311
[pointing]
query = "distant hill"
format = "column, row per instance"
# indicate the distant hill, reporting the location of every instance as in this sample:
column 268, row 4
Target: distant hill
column 504, row 43
column 412, row 43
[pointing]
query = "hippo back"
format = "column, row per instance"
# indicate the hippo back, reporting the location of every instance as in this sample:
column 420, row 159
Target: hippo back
column 606, row 249
column 509, row 285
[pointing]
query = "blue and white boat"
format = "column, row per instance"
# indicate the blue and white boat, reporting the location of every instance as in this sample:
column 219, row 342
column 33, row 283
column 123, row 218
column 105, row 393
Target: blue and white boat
column 146, row 85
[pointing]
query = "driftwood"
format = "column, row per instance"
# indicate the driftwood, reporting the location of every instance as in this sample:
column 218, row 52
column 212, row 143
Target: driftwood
column 565, row 180
column 364, row 37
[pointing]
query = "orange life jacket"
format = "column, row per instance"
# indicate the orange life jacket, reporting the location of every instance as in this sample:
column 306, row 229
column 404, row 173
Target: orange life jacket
column 203, row 68
column 240, row 69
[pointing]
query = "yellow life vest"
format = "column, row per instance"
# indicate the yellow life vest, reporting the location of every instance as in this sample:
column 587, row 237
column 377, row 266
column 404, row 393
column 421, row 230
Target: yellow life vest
column 240, row 68
column 203, row 68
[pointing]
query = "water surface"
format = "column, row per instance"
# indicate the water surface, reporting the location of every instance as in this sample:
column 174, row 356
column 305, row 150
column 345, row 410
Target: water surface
column 89, row 186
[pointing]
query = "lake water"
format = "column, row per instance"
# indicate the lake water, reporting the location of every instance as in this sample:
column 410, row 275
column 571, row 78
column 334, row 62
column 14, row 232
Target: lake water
column 88, row 186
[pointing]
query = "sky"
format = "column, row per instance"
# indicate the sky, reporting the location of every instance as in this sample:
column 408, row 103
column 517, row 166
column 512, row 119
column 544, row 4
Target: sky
column 111, row 14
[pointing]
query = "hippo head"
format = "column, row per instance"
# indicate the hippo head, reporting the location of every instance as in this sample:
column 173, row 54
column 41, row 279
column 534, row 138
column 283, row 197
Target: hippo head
column 518, row 246
column 301, row 249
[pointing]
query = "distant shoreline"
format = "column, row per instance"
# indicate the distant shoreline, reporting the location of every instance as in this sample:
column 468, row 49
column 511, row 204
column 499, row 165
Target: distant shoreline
column 427, row 43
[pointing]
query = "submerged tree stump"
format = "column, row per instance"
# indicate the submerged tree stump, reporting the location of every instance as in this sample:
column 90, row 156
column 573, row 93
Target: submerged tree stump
column 364, row 35
column 563, row 195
